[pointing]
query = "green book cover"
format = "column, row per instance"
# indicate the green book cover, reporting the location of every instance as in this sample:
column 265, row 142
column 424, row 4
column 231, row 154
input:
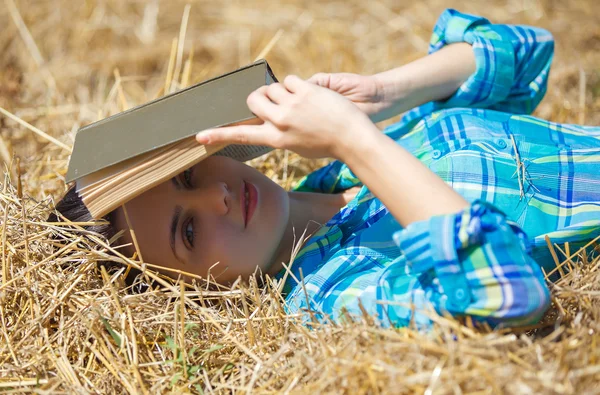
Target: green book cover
column 217, row 102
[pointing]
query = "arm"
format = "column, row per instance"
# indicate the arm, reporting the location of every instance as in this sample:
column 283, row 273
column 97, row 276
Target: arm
column 409, row 189
column 432, row 78
column 472, row 63
column 481, row 264
column 381, row 96
column 471, row 263
column 513, row 62
column 314, row 122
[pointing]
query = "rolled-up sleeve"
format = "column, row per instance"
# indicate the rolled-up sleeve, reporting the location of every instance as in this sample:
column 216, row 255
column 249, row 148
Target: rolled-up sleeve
column 512, row 62
column 479, row 264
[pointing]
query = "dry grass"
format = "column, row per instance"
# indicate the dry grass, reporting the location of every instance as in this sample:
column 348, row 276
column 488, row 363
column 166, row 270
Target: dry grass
column 67, row 327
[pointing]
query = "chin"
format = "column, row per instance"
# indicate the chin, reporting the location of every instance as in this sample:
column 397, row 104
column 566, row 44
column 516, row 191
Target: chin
column 277, row 210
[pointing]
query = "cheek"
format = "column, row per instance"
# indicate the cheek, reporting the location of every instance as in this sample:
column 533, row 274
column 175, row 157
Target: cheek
column 218, row 241
column 241, row 252
column 226, row 253
column 276, row 210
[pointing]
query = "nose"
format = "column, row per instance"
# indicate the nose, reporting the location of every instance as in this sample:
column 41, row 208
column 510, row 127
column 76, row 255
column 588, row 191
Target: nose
column 214, row 198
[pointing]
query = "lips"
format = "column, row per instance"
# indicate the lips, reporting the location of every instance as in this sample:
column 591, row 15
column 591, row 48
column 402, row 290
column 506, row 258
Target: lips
column 249, row 201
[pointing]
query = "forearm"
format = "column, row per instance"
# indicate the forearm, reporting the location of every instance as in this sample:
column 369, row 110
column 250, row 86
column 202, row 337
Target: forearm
column 433, row 77
column 407, row 187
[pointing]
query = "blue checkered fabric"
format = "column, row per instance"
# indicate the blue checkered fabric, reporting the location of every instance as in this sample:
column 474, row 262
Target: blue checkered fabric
column 526, row 179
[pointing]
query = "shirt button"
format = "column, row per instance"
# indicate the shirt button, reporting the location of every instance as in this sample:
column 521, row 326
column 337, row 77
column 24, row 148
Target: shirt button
column 501, row 143
column 436, row 154
column 460, row 295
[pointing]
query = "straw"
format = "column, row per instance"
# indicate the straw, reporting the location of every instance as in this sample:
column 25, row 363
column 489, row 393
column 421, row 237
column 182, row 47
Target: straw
column 69, row 326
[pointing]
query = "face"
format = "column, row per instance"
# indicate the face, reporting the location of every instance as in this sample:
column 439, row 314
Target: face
column 219, row 211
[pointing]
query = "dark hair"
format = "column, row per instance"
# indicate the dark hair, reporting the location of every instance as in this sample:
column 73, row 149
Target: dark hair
column 72, row 208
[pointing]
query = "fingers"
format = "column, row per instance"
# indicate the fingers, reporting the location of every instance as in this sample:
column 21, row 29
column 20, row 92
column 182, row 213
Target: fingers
column 260, row 104
column 294, row 83
column 265, row 104
column 264, row 134
column 321, row 79
column 277, row 93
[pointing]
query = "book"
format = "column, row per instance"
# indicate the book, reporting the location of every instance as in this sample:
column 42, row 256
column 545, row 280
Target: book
column 122, row 156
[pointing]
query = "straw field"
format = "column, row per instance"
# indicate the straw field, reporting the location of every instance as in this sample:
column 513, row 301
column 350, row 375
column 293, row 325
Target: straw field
column 68, row 327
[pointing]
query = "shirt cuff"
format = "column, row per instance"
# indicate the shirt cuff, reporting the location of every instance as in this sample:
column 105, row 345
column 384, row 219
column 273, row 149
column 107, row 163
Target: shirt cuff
column 435, row 244
column 494, row 58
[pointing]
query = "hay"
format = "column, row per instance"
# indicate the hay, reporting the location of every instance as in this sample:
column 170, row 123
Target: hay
column 66, row 326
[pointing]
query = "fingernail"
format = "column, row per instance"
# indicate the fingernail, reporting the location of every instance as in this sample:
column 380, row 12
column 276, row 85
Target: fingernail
column 203, row 138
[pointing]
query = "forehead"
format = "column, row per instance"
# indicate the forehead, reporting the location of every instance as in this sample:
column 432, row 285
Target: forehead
column 153, row 206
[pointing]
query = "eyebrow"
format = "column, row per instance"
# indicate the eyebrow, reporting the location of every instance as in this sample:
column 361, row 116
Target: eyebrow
column 174, row 223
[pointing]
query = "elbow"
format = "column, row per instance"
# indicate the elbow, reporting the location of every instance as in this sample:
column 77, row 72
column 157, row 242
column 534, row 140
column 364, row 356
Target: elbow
column 526, row 300
column 542, row 299
column 543, row 41
column 545, row 37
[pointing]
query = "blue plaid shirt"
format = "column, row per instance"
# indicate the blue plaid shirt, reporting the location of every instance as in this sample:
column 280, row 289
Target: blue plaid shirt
column 526, row 179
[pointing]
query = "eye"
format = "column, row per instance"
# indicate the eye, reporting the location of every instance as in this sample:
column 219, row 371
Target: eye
column 188, row 233
column 186, row 178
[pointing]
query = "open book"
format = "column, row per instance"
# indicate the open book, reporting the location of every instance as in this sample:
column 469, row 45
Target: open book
column 120, row 157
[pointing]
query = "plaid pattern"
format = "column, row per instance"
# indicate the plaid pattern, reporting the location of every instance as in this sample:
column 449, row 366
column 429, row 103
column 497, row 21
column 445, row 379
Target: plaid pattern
column 524, row 177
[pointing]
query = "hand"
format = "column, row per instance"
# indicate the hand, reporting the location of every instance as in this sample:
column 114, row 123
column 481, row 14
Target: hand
column 310, row 120
column 389, row 93
column 366, row 92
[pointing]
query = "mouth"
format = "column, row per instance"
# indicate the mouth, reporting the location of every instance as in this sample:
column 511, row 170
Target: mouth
column 249, row 201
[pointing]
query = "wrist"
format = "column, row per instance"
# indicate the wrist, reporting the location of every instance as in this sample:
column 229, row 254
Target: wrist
column 434, row 77
column 360, row 142
column 393, row 87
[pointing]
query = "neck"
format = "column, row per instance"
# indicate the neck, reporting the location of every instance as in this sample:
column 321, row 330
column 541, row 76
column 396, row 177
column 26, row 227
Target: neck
column 308, row 212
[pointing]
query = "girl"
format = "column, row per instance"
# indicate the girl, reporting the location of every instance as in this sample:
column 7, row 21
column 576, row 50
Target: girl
column 433, row 213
